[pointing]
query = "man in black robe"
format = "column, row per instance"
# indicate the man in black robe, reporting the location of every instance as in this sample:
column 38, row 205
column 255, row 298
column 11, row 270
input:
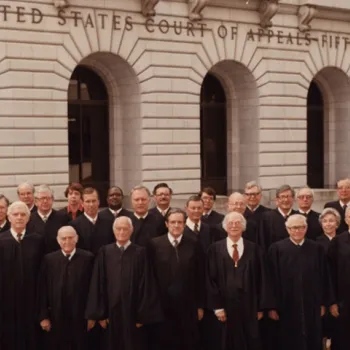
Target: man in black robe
column 254, row 209
column 74, row 194
column 343, row 202
column 339, row 261
column 178, row 264
column 305, row 198
column 210, row 216
column 301, row 285
column 122, row 294
column 115, row 208
column 20, row 257
column 25, row 192
column 237, row 286
column 93, row 230
column 46, row 220
column 4, row 204
column 146, row 225
column 63, row 288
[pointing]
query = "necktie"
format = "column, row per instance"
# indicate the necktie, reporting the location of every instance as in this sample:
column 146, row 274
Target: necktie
column 19, row 237
column 44, row 218
column 68, row 256
column 122, row 249
column 196, row 229
column 235, row 254
column 176, row 243
column 94, row 221
column 345, row 207
column 205, row 216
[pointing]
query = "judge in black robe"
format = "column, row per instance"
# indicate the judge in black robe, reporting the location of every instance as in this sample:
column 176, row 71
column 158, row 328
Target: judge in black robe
column 20, row 259
column 302, row 287
column 210, row 216
column 340, row 207
column 4, row 223
column 256, row 214
column 179, row 272
column 63, row 288
column 5, row 227
column 238, row 291
column 122, row 291
column 25, row 192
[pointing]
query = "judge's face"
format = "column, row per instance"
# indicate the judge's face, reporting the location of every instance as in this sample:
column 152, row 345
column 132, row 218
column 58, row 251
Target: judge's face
column 91, row 204
column 122, row 230
column 163, row 197
column 74, row 197
column 67, row 239
column 347, row 217
column 343, row 189
column 305, row 199
column 176, row 224
column 115, row 198
column 253, row 196
column 26, row 195
column 140, row 201
column 3, row 210
column 234, row 228
column 18, row 219
column 285, row 200
column 195, row 210
column 208, row 201
column 44, row 202
column 236, row 204
column 329, row 224
column 297, row 229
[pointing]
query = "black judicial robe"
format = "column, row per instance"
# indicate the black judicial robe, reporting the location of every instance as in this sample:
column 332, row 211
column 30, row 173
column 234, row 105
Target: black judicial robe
column 62, row 295
column 272, row 228
column 162, row 229
column 69, row 214
column 107, row 214
column 301, row 285
column 339, row 261
column 122, row 290
column 214, row 218
column 6, row 227
column 180, row 277
column 34, row 209
column 314, row 228
column 256, row 214
column 49, row 228
column 242, row 291
column 145, row 229
column 336, row 205
column 324, row 241
column 204, row 236
column 93, row 236
column 19, row 267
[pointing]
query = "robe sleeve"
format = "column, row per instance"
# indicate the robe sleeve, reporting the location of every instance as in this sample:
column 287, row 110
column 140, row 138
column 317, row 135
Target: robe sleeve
column 97, row 308
column 200, row 275
column 273, row 270
column 332, row 257
column 263, row 233
column 42, row 298
column 214, row 298
column 328, row 297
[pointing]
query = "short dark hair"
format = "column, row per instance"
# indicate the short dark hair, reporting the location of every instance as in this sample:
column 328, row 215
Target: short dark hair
column 90, row 190
column 5, row 199
column 162, row 185
column 194, row 198
column 175, row 211
column 74, row 186
column 118, row 188
column 284, row 188
column 208, row 190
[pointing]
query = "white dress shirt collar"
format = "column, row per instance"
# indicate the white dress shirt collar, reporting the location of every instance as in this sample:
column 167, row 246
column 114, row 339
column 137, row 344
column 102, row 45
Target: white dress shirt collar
column 304, row 212
column 301, row 243
column 163, row 211
column 191, row 224
column 115, row 212
column 208, row 212
column 329, row 237
column 15, row 234
column 126, row 245
column 3, row 225
column 253, row 210
column 70, row 255
column 44, row 215
column 93, row 220
column 172, row 239
column 342, row 204
column 283, row 214
column 141, row 217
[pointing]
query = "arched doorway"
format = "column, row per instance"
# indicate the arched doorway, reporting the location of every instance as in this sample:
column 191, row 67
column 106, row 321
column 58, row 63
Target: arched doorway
column 88, row 130
column 315, row 137
column 213, row 135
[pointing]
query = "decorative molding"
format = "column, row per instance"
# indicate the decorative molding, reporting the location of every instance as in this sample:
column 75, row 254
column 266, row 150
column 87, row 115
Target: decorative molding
column 60, row 4
column 147, row 7
column 195, row 8
column 267, row 10
column 306, row 14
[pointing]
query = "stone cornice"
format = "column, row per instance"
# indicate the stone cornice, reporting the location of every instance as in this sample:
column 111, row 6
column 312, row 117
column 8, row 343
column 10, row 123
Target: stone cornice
column 306, row 14
column 267, row 10
column 148, row 7
column 195, row 8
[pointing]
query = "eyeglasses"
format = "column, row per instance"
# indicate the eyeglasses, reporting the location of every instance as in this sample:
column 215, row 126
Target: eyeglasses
column 237, row 204
column 287, row 196
column 44, row 198
column 252, row 194
column 204, row 198
column 297, row 228
column 305, row 197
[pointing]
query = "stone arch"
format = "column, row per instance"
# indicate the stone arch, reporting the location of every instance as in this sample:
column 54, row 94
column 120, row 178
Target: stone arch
column 242, row 114
column 124, row 116
column 335, row 88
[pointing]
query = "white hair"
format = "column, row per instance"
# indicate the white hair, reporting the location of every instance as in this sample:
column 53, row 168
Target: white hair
column 20, row 205
column 308, row 189
column 232, row 215
column 25, row 184
column 296, row 217
column 43, row 189
column 123, row 217
column 252, row 184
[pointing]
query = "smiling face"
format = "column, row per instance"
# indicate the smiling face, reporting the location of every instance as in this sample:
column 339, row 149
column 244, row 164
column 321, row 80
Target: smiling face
column 91, row 204
column 115, row 198
column 329, row 224
column 296, row 228
column 234, row 225
column 343, row 189
column 122, row 229
column 67, row 238
column 195, row 210
column 253, row 196
column 285, row 200
column 26, row 195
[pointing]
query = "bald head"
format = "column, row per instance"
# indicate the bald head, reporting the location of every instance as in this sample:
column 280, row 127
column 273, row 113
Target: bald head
column 236, row 203
column 67, row 238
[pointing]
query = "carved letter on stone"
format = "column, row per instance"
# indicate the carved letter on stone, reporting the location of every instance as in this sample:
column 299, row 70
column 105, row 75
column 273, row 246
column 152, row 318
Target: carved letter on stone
column 148, row 7
column 195, row 8
column 306, row 14
column 268, row 8
column 60, row 4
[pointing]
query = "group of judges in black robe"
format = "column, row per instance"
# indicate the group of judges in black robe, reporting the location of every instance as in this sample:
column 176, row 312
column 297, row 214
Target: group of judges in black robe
column 81, row 278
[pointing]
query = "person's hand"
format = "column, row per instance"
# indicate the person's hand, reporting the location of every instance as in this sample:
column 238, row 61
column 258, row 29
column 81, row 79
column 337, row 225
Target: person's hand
column 139, row 325
column 46, row 325
column 91, row 324
column 260, row 315
column 200, row 314
column 104, row 323
column 334, row 310
column 274, row 315
column 323, row 310
column 221, row 315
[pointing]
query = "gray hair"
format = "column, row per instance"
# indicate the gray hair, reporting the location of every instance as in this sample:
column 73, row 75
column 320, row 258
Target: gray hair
column 284, row 188
column 25, row 184
column 234, row 215
column 252, row 184
column 140, row 187
column 308, row 189
column 333, row 212
column 20, row 205
column 5, row 199
column 43, row 188
column 237, row 194
column 175, row 211
column 119, row 219
column 64, row 228
column 296, row 217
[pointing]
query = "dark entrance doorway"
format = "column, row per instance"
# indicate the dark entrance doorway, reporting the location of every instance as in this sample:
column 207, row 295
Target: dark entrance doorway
column 88, row 131
column 315, row 137
column 213, row 135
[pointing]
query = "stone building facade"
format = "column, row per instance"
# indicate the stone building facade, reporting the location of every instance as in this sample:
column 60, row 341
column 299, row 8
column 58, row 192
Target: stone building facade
column 188, row 92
